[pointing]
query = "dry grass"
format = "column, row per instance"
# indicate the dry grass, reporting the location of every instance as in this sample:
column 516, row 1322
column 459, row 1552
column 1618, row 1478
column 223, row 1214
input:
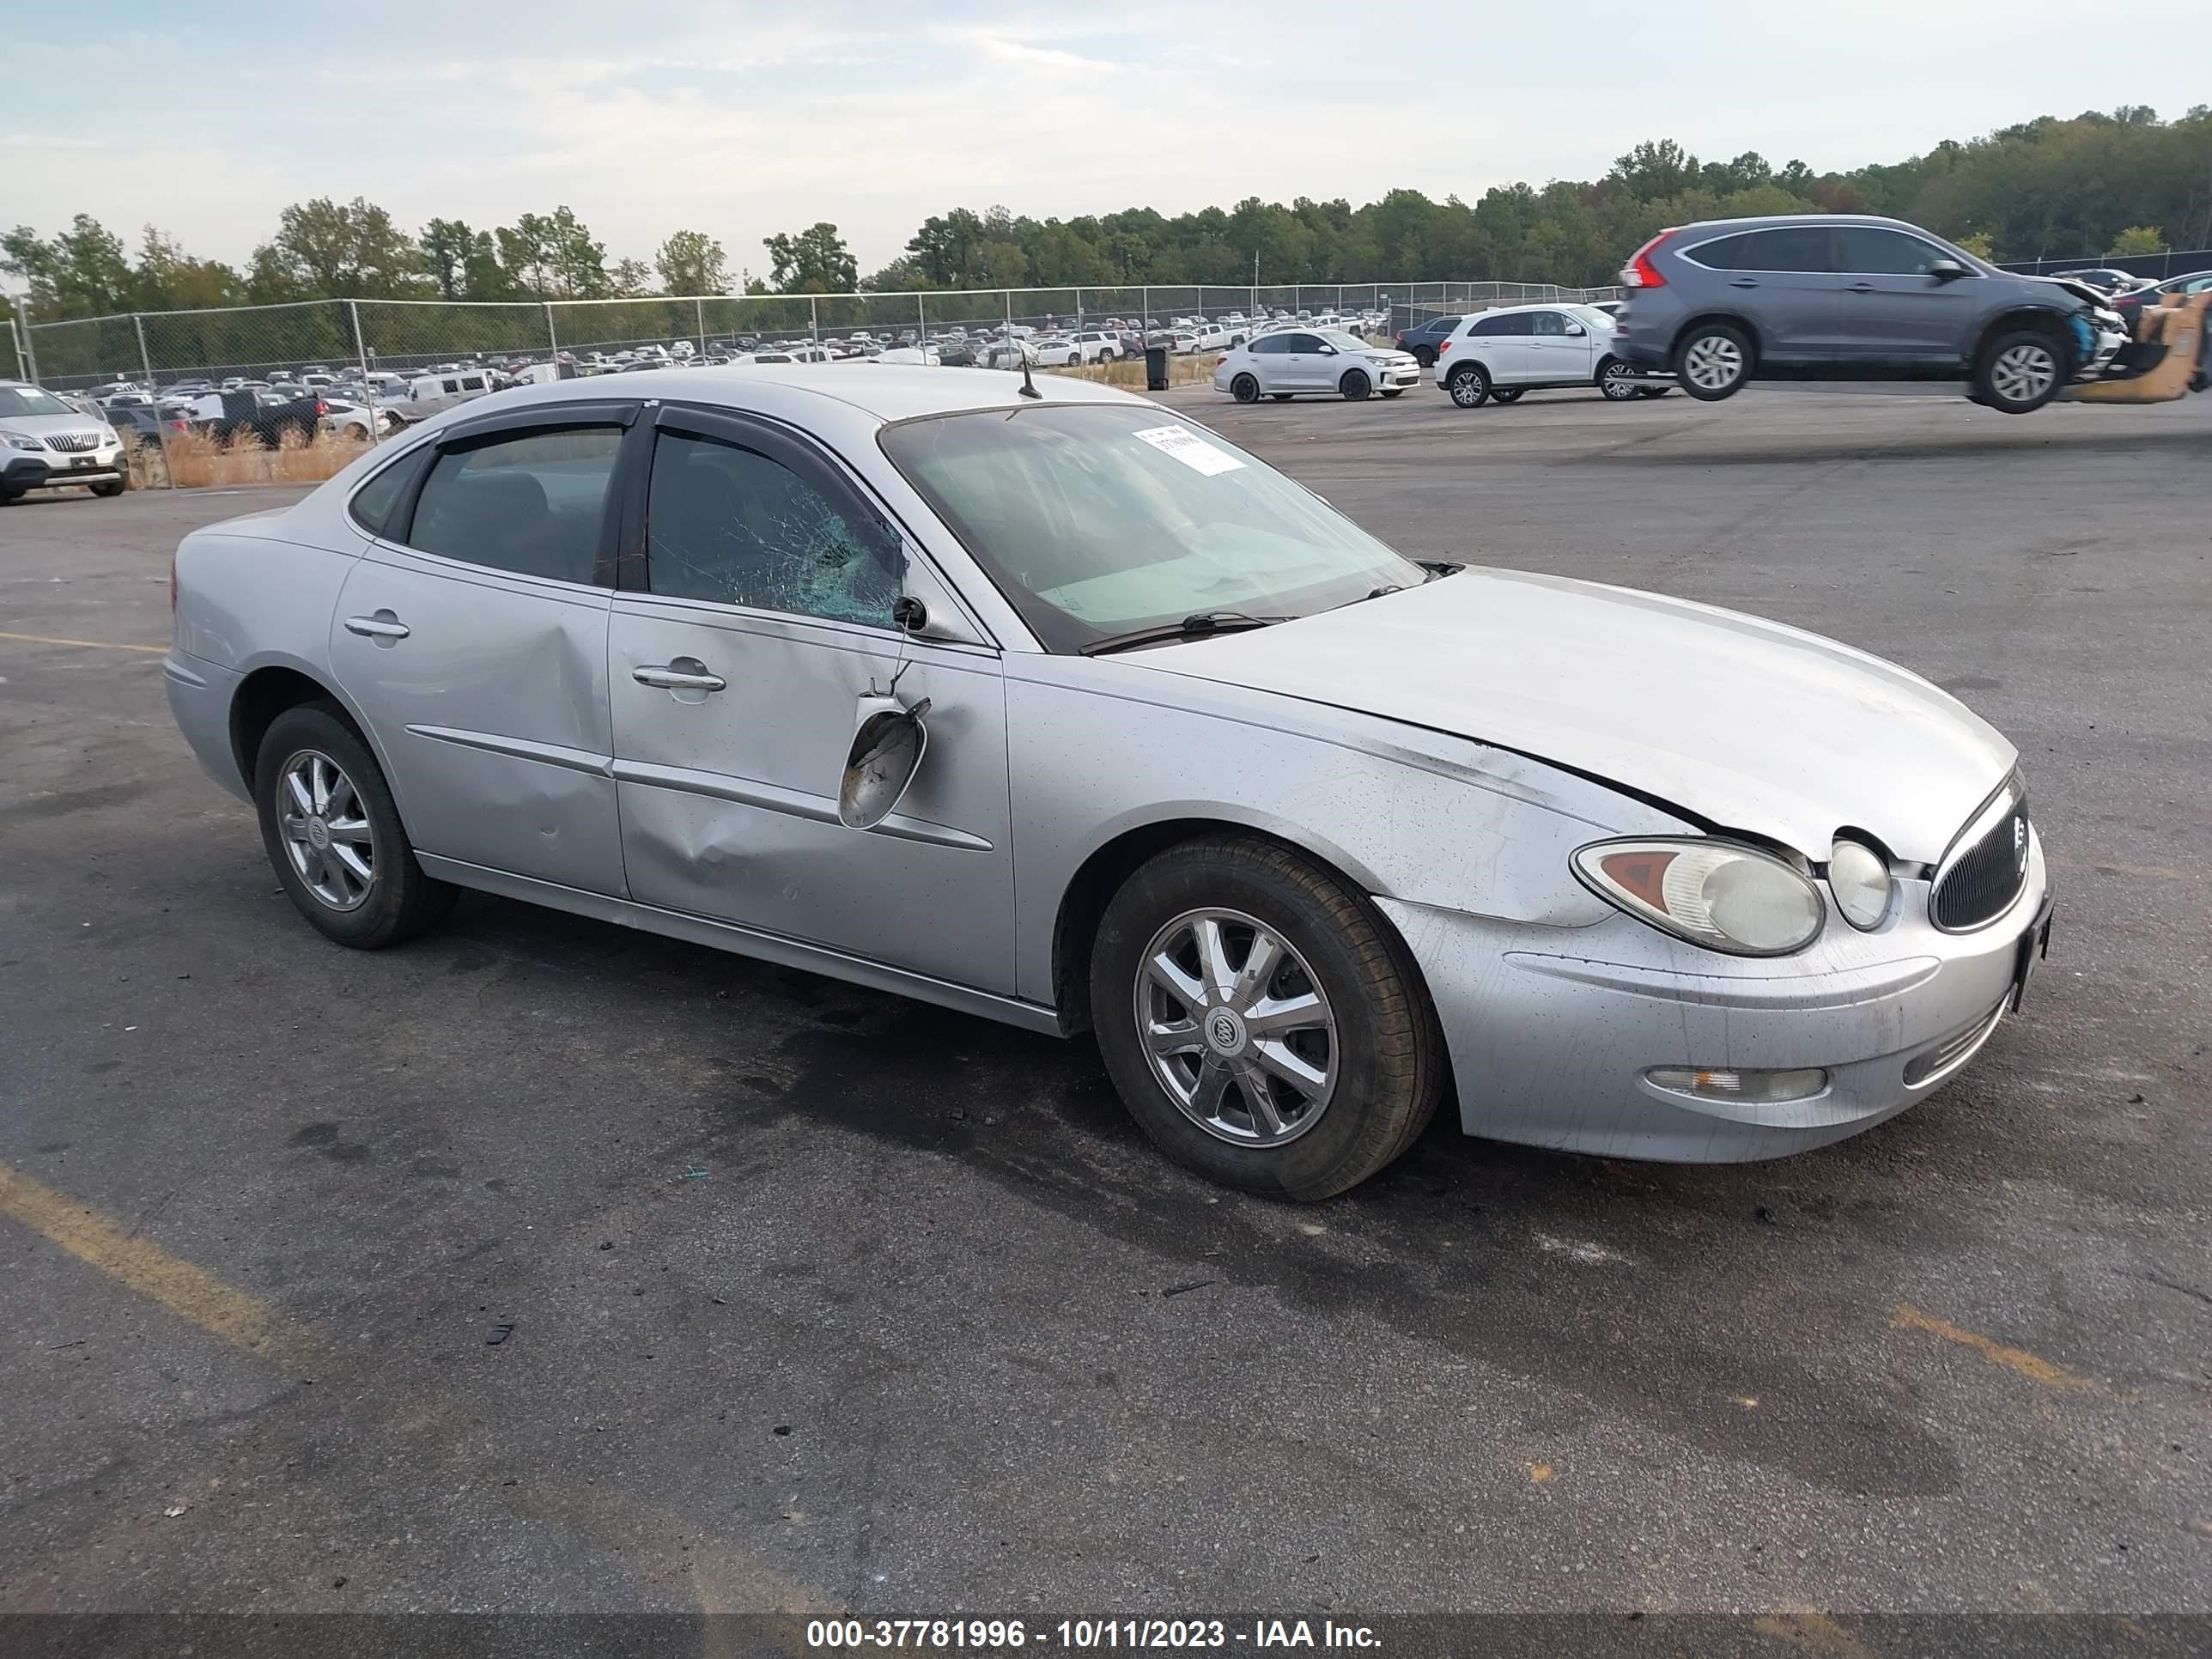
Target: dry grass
column 190, row 461
column 1195, row 370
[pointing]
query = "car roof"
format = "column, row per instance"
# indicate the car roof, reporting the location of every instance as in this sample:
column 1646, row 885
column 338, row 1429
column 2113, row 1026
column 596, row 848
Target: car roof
column 1770, row 220
column 887, row 391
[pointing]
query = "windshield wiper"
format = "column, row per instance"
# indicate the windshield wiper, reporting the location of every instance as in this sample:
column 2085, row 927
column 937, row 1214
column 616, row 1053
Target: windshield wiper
column 1195, row 626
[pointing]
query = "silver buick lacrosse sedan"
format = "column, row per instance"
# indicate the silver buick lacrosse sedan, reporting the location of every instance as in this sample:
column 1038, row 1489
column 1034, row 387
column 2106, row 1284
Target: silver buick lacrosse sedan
column 1044, row 703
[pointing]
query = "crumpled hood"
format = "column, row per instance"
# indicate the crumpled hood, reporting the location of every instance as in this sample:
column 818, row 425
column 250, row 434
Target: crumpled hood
column 1747, row 725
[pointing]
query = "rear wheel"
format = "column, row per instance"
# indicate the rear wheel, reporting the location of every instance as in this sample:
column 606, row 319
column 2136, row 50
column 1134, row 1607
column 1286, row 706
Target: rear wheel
column 1653, row 390
column 1426, row 355
column 1616, row 381
column 1280, row 397
column 1245, row 389
column 1712, row 362
column 1391, row 391
column 1506, row 394
column 1355, row 385
column 2017, row 373
column 333, row 834
column 1469, row 385
column 1264, row 1026
column 110, row 486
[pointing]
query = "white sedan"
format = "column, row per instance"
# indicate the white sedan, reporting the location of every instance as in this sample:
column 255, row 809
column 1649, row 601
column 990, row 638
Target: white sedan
column 1282, row 364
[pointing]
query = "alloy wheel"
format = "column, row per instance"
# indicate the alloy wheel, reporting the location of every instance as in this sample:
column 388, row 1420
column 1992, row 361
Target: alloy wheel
column 1713, row 362
column 1237, row 1030
column 326, row 832
column 2023, row 373
column 1618, row 384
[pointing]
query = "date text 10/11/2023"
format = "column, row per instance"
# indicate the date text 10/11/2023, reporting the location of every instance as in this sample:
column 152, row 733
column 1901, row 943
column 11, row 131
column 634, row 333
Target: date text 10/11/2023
column 983, row 1636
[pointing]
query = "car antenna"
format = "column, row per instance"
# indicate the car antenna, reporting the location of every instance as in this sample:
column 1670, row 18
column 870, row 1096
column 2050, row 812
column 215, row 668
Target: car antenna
column 1029, row 386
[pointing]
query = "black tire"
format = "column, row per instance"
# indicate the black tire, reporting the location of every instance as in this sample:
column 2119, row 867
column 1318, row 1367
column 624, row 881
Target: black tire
column 1355, row 385
column 1388, row 1053
column 1426, row 355
column 1703, row 355
column 1616, row 381
column 1653, row 390
column 1469, row 385
column 400, row 900
column 1391, row 391
column 9, row 497
column 1245, row 389
column 1506, row 394
column 2033, row 358
column 1280, row 397
column 110, row 486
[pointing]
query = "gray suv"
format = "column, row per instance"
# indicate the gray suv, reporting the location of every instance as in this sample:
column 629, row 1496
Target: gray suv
column 1844, row 297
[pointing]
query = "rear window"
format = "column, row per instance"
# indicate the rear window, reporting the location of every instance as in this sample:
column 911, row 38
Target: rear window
column 373, row 504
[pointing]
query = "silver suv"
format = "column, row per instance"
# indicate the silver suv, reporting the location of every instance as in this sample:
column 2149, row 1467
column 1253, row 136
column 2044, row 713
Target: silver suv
column 43, row 441
column 1844, row 296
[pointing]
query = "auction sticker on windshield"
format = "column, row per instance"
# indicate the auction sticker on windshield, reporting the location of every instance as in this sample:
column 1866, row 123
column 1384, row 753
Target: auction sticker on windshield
column 1189, row 448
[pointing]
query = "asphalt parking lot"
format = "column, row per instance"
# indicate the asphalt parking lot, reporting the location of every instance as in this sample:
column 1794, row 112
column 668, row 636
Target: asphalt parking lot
column 541, row 1264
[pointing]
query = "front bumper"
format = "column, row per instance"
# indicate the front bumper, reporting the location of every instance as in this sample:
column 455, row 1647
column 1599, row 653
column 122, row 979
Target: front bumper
column 25, row 468
column 1552, row 1030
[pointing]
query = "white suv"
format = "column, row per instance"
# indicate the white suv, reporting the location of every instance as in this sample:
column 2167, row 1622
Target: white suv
column 1493, row 356
column 45, row 443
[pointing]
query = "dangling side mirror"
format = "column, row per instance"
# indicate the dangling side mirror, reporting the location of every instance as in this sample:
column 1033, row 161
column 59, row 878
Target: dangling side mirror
column 880, row 767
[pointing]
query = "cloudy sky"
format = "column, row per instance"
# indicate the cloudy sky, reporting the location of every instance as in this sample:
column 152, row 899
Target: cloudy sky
column 742, row 120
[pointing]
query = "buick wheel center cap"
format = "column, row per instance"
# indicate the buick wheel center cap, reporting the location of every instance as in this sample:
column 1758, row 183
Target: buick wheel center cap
column 318, row 835
column 1225, row 1033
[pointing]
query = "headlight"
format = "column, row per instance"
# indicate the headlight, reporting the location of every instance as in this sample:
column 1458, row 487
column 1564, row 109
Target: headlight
column 1716, row 894
column 16, row 441
column 1860, row 881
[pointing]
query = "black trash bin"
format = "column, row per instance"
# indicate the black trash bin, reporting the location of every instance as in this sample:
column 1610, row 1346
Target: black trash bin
column 1156, row 368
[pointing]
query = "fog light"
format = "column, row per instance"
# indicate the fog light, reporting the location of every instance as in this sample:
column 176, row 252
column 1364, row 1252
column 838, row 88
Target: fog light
column 1757, row 1087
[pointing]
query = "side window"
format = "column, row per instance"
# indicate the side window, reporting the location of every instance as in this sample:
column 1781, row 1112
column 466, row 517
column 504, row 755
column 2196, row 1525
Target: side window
column 531, row 503
column 1267, row 345
column 1722, row 253
column 1869, row 250
column 449, row 385
column 1302, row 343
column 1512, row 322
column 473, row 383
column 1792, row 247
column 373, row 502
column 729, row 525
column 1547, row 322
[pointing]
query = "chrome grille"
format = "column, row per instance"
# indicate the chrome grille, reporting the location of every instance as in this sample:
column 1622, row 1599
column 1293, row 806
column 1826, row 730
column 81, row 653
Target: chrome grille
column 1979, row 879
column 74, row 443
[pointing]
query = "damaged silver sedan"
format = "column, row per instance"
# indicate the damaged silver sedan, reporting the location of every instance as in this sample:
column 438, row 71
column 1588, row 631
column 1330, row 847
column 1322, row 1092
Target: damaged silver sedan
column 1056, row 708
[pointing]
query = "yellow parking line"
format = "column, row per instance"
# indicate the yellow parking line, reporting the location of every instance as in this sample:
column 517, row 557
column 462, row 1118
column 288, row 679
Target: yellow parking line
column 191, row 1293
column 723, row 1578
column 1808, row 1631
column 88, row 645
column 2032, row 1366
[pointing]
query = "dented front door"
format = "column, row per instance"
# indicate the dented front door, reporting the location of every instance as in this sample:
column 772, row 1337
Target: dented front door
column 486, row 693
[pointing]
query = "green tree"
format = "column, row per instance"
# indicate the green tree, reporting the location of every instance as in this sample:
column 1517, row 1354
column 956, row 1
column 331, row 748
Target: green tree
column 353, row 250
column 2139, row 239
column 446, row 244
column 81, row 272
column 692, row 262
column 630, row 278
column 814, row 261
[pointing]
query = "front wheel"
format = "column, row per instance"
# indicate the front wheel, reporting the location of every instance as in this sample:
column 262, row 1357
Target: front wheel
column 1280, row 397
column 1712, row 362
column 1616, row 382
column 2017, row 373
column 110, row 486
column 1391, row 391
column 1506, row 394
column 1653, row 390
column 1469, row 385
column 1355, row 385
column 333, row 834
column 1263, row 1024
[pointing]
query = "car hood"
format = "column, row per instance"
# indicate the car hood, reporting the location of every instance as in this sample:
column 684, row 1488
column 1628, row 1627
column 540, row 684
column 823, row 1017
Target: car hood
column 56, row 426
column 1746, row 724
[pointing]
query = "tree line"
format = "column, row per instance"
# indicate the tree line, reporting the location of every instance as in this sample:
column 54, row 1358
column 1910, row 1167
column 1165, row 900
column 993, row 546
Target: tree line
column 2098, row 184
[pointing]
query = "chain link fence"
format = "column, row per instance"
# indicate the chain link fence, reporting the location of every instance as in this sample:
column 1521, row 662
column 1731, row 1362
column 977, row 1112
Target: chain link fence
column 366, row 360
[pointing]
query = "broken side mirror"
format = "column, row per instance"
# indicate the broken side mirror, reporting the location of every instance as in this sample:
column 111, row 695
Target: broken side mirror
column 880, row 767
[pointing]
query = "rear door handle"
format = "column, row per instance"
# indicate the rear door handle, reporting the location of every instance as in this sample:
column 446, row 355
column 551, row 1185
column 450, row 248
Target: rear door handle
column 670, row 678
column 1861, row 288
column 1745, row 281
column 382, row 626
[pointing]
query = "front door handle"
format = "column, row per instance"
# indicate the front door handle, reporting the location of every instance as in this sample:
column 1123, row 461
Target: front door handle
column 685, row 674
column 1861, row 288
column 1745, row 281
column 382, row 626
